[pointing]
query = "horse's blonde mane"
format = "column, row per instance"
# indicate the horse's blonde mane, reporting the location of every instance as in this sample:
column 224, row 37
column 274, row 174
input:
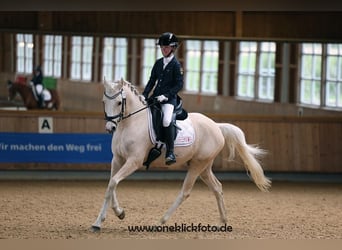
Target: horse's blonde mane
column 113, row 86
column 132, row 88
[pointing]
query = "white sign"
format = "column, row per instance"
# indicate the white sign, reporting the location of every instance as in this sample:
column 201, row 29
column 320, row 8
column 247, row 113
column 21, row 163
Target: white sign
column 45, row 125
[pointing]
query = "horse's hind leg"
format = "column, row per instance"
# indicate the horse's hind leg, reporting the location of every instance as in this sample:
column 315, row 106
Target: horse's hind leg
column 215, row 185
column 188, row 183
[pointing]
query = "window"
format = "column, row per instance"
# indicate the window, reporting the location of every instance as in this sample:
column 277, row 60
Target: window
column 321, row 72
column 201, row 66
column 247, row 65
column 266, row 71
column 256, row 70
column 333, row 91
column 114, row 58
column 193, row 65
column 81, row 58
column 52, row 58
column 150, row 54
column 24, row 53
column 311, row 73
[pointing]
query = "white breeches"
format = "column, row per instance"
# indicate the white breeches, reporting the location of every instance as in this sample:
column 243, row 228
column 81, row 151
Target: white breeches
column 39, row 89
column 167, row 110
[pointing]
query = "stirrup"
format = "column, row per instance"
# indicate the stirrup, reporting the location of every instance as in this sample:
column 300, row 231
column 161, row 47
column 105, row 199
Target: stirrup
column 154, row 153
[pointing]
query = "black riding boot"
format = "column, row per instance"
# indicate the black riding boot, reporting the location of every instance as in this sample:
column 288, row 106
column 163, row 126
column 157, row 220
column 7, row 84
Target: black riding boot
column 170, row 158
column 40, row 101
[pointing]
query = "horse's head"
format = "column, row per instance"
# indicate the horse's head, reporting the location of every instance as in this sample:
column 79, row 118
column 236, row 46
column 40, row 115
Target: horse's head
column 12, row 91
column 120, row 98
column 114, row 98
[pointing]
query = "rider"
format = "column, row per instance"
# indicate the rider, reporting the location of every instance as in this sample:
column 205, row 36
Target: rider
column 37, row 81
column 167, row 75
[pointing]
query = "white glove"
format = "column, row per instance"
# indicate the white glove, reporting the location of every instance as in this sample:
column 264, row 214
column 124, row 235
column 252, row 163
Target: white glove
column 162, row 98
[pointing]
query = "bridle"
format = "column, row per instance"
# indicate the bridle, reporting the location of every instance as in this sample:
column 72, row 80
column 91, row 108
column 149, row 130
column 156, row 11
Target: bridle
column 123, row 106
column 121, row 115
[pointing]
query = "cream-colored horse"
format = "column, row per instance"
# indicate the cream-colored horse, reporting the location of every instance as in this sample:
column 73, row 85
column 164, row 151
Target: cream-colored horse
column 126, row 113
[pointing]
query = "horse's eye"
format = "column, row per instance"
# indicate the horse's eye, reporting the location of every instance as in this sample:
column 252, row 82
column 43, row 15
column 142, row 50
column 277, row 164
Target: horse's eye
column 119, row 103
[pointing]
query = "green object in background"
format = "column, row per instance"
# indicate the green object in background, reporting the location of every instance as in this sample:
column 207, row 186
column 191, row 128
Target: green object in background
column 50, row 82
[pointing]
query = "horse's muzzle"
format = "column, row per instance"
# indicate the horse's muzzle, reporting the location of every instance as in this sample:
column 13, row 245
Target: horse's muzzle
column 111, row 126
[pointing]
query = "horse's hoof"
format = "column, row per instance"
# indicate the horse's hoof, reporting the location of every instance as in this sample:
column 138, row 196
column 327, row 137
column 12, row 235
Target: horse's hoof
column 162, row 221
column 95, row 229
column 122, row 215
column 224, row 220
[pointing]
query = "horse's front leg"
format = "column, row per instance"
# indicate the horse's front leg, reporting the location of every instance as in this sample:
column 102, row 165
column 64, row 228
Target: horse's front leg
column 103, row 212
column 128, row 168
column 115, row 166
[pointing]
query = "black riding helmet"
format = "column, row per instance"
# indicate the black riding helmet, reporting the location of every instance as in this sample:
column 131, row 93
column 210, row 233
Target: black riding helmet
column 168, row 39
column 38, row 69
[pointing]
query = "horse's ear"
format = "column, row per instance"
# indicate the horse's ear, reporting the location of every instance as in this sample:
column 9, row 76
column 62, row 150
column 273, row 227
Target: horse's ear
column 105, row 83
column 122, row 81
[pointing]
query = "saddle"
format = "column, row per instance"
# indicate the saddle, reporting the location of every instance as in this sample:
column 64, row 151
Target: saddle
column 157, row 117
column 179, row 113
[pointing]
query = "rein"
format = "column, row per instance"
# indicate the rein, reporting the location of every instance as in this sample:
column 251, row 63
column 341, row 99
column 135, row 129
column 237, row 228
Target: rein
column 137, row 111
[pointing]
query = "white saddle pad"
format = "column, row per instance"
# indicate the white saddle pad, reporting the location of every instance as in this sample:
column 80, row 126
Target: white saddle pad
column 185, row 136
column 46, row 95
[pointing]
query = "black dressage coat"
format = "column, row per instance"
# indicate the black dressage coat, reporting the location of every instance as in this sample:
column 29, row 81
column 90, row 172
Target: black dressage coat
column 168, row 81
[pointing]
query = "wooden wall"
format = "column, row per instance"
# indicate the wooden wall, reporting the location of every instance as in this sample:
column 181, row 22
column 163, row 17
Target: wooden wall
column 77, row 96
column 275, row 25
column 294, row 144
column 81, row 97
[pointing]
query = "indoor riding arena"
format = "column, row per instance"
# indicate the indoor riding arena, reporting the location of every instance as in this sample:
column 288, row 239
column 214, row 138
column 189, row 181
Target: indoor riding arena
column 278, row 82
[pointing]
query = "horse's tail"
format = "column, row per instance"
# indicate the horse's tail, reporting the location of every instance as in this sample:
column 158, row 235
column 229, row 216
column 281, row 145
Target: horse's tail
column 235, row 139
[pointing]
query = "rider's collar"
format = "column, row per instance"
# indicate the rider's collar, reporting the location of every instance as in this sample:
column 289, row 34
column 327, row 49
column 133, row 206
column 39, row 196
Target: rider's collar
column 168, row 59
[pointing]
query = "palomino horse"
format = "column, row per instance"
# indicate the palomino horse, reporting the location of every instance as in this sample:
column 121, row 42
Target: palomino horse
column 25, row 91
column 131, row 144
